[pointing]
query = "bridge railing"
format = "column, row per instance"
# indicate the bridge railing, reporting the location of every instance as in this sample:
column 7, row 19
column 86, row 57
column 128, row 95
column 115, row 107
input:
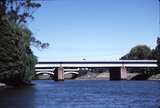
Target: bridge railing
column 116, row 63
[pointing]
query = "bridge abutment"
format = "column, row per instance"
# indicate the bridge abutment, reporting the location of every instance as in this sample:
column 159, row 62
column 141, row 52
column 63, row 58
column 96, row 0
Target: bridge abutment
column 59, row 74
column 118, row 73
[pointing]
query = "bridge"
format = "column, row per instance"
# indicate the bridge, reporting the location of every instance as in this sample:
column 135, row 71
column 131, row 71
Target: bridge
column 117, row 68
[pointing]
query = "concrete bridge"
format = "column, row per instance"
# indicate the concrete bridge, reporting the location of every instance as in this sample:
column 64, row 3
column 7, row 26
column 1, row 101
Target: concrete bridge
column 117, row 68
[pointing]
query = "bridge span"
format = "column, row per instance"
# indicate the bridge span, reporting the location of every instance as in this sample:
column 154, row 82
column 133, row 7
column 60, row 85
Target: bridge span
column 52, row 74
column 117, row 68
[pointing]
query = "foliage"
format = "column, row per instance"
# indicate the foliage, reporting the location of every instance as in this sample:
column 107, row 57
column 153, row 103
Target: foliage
column 17, row 61
column 16, row 58
column 18, row 12
column 38, row 44
column 156, row 54
column 144, row 52
column 138, row 52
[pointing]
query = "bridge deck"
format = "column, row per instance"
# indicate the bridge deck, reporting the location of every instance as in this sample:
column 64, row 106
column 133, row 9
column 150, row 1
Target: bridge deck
column 117, row 63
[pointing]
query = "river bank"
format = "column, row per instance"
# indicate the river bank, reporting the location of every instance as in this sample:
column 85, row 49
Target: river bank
column 154, row 77
column 106, row 76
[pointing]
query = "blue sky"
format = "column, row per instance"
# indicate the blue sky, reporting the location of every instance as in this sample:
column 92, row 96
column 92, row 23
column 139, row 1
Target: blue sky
column 94, row 29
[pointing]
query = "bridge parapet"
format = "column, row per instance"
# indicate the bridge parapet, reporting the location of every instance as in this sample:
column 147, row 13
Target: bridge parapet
column 118, row 63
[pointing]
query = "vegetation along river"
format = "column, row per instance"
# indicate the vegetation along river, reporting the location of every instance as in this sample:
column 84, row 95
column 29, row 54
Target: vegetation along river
column 83, row 94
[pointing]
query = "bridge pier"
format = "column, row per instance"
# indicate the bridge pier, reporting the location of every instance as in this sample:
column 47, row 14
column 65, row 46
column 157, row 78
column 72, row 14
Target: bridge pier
column 59, row 74
column 123, row 73
column 118, row 73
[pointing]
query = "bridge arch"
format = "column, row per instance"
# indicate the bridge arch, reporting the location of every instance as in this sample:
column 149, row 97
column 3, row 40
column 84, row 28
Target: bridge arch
column 41, row 73
column 75, row 74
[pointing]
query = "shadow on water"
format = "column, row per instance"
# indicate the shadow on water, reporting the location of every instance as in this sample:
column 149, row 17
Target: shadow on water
column 141, row 77
column 11, row 97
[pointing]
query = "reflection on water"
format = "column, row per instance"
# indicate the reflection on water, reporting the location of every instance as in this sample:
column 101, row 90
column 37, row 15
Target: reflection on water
column 83, row 94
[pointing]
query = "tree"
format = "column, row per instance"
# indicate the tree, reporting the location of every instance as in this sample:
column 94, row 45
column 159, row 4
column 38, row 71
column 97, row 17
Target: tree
column 18, row 12
column 138, row 52
column 156, row 51
column 156, row 54
column 16, row 58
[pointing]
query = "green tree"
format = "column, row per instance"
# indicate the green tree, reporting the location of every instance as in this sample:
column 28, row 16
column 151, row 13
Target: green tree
column 16, row 58
column 139, row 52
column 156, row 54
column 18, row 12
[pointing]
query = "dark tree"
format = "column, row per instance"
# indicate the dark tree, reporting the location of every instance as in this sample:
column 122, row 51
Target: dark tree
column 18, row 12
column 17, row 61
column 156, row 54
column 138, row 52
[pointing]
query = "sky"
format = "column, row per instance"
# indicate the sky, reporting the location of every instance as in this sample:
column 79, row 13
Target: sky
column 94, row 29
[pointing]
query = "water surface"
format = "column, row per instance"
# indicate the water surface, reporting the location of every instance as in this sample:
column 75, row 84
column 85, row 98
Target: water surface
column 83, row 94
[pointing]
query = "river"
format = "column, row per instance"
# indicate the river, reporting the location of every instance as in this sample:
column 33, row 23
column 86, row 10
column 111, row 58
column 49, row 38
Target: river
column 83, row 94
